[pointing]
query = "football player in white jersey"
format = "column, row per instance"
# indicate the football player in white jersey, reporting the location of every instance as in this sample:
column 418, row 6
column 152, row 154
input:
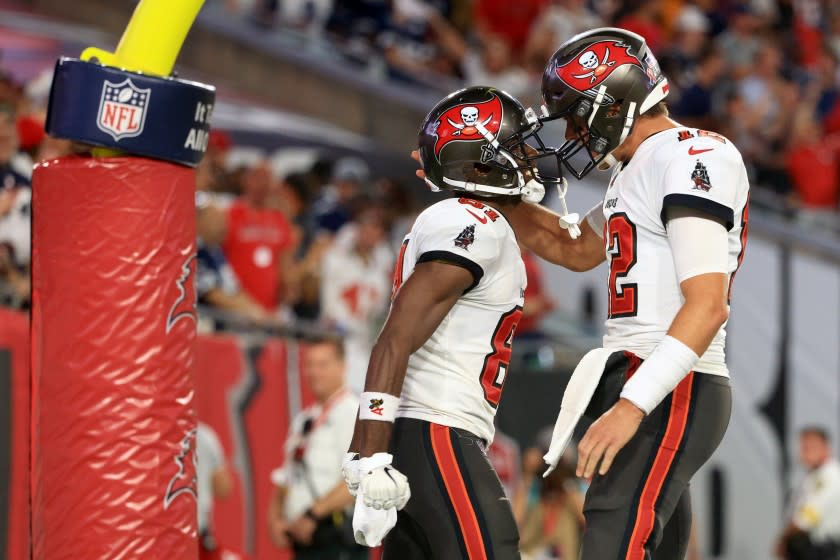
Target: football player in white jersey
column 438, row 367
column 674, row 228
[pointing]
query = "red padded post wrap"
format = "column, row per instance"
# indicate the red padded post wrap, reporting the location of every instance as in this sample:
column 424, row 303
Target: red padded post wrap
column 113, row 327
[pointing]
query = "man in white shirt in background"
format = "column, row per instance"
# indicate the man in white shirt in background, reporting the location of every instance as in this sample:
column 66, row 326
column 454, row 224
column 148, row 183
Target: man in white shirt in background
column 356, row 276
column 310, row 506
column 813, row 529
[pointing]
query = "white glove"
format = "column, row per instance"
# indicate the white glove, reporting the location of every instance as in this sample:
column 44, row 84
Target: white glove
column 371, row 525
column 350, row 471
column 381, row 485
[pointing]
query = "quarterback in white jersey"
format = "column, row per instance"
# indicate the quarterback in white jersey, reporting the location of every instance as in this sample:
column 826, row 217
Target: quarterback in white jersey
column 673, row 228
column 677, row 169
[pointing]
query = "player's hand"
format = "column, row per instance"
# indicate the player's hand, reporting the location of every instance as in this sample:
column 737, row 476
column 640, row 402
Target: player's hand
column 350, row 471
column 415, row 155
column 302, row 529
column 606, row 436
column 279, row 533
column 382, row 486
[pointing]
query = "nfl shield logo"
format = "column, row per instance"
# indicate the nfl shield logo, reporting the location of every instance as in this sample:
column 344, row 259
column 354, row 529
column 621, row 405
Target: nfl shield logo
column 122, row 109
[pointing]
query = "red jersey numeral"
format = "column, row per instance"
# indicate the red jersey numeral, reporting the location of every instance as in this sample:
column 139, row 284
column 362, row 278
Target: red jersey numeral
column 621, row 244
column 497, row 362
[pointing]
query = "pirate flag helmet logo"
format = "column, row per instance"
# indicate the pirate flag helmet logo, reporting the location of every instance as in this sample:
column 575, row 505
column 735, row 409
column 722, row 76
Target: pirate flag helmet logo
column 595, row 64
column 476, row 139
column 469, row 122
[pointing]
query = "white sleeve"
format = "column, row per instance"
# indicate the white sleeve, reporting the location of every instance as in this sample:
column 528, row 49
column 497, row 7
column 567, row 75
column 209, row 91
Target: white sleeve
column 699, row 245
column 456, row 237
column 703, row 175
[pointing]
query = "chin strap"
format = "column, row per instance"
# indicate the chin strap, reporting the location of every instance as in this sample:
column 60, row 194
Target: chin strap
column 568, row 221
column 533, row 191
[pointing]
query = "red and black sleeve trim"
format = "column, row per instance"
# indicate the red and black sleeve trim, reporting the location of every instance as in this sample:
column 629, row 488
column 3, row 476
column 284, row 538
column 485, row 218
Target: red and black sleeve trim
column 710, row 207
column 458, row 260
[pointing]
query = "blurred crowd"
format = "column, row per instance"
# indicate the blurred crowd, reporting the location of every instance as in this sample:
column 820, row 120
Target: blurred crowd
column 310, row 245
column 762, row 72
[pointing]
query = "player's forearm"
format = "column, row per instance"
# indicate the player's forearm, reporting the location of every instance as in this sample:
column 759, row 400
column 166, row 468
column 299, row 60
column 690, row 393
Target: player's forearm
column 698, row 321
column 537, row 228
column 335, row 500
column 386, row 374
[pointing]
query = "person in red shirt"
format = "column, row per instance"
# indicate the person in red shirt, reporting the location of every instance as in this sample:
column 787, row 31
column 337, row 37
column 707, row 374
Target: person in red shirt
column 645, row 20
column 538, row 302
column 511, row 21
column 813, row 164
column 260, row 241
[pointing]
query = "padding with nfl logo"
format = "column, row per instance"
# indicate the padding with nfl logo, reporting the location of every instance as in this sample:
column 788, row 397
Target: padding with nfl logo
column 161, row 118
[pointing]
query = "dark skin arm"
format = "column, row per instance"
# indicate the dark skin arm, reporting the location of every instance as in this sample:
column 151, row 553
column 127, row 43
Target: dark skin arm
column 421, row 304
column 537, row 229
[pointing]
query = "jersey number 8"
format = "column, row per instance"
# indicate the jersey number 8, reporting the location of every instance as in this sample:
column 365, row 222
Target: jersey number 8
column 497, row 362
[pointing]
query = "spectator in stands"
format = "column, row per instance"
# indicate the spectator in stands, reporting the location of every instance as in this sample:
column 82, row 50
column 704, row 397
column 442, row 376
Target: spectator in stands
column 491, row 63
column 645, row 18
column 333, row 208
column 813, row 529
column 509, row 22
column 15, row 199
column 691, row 41
column 741, row 41
column 356, row 277
column 813, row 164
column 214, row 482
column 216, row 283
column 538, row 302
column 309, row 511
column 259, row 243
column 696, row 102
column 548, row 511
column 552, row 526
column 561, row 20
column 767, row 96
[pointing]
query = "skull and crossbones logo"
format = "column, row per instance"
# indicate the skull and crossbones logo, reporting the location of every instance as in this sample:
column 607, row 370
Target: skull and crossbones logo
column 589, row 61
column 469, row 125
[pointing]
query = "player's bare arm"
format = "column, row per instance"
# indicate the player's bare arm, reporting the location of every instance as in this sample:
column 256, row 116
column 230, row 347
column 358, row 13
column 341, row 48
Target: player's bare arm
column 418, row 308
column 537, row 229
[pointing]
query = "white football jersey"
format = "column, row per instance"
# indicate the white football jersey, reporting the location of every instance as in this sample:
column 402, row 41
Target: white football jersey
column 679, row 167
column 456, row 377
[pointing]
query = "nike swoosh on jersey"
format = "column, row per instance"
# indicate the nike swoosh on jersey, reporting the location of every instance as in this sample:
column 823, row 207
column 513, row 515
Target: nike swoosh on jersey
column 482, row 219
column 693, row 152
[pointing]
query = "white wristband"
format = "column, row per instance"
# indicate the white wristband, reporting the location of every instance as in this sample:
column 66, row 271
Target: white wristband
column 596, row 219
column 666, row 366
column 378, row 406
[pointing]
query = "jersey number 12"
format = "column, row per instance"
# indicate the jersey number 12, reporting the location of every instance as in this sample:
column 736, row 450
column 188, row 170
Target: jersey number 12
column 621, row 245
